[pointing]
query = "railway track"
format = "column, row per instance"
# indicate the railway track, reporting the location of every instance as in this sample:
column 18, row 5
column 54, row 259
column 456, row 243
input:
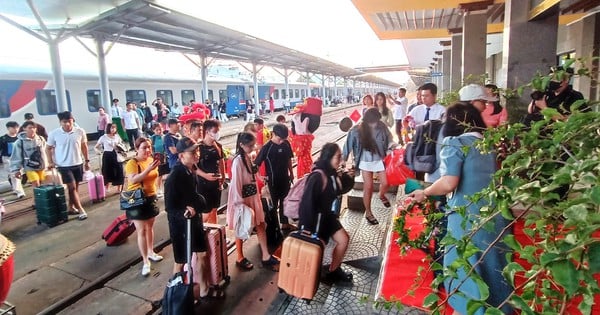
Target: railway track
column 100, row 282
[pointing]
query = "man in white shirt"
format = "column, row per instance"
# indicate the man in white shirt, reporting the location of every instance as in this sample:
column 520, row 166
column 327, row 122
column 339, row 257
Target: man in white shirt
column 131, row 122
column 401, row 103
column 430, row 109
column 115, row 109
column 67, row 150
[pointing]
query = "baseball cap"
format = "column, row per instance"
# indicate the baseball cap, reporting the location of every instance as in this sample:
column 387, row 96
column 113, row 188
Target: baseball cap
column 280, row 130
column 186, row 144
column 474, row 92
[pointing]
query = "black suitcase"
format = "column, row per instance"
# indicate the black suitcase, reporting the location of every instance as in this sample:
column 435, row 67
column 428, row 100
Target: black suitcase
column 50, row 204
column 179, row 294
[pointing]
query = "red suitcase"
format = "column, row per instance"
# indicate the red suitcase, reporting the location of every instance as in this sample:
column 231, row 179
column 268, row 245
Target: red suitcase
column 218, row 270
column 300, row 266
column 96, row 188
column 118, row 231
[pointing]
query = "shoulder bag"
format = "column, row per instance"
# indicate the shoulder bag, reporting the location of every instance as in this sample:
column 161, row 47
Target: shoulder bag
column 133, row 198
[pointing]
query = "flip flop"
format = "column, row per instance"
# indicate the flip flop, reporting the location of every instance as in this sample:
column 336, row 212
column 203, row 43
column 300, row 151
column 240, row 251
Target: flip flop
column 385, row 201
column 82, row 216
column 372, row 220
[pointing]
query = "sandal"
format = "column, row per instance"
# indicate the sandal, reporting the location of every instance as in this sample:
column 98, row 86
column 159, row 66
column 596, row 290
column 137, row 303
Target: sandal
column 82, row 216
column 73, row 211
column 244, row 264
column 385, row 201
column 213, row 293
column 272, row 261
column 372, row 220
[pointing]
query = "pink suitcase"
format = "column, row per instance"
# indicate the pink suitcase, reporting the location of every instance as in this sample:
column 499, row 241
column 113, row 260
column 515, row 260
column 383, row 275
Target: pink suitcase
column 96, row 188
column 218, row 273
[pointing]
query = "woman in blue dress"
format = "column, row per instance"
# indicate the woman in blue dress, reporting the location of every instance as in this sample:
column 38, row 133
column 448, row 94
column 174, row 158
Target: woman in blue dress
column 465, row 173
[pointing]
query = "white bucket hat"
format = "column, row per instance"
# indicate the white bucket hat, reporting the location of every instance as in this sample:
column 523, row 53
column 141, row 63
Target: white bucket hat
column 474, row 92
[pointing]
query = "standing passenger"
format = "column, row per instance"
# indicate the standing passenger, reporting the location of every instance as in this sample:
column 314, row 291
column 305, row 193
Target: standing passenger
column 141, row 172
column 132, row 124
column 29, row 154
column 102, row 122
column 67, row 149
column 159, row 147
column 401, row 104
column 112, row 169
column 40, row 130
column 386, row 115
column 211, row 169
column 241, row 194
column 430, row 109
column 116, row 112
column 170, row 141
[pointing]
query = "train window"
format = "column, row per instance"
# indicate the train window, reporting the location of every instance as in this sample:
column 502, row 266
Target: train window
column 276, row 94
column 284, row 94
column 187, row 96
column 297, row 93
column 94, row 100
column 166, row 96
column 303, row 93
column 223, row 95
column 46, row 102
column 135, row 96
column 291, row 93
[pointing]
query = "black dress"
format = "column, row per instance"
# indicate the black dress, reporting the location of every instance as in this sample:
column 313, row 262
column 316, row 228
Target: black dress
column 210, row 155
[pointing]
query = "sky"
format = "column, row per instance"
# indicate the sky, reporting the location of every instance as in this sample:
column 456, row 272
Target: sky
column 330, row 29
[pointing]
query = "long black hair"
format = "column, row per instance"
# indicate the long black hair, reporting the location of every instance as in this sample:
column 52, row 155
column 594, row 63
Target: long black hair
column 497, row 106
column 372, row 115
column 385, row 110
column 462, row 117
column 244, row 138
column 328, row 151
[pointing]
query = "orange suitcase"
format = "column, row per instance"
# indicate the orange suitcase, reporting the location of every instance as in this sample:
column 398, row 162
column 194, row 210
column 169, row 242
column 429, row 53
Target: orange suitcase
column 300, row 265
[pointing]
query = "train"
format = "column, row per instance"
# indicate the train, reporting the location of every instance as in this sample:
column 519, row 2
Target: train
column 25, row 90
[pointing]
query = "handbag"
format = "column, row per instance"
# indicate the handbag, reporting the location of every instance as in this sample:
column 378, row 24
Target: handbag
column 121, row 152
column 250, row 189
column 129, row 199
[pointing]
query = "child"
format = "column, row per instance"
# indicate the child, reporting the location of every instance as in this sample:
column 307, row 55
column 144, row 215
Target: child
column 29, row 154
column 6, row 148
column 158, row 146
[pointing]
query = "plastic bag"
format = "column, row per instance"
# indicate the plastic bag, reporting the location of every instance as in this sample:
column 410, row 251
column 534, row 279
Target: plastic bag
column 243, row 222
column 396, row 171
column 88, row 175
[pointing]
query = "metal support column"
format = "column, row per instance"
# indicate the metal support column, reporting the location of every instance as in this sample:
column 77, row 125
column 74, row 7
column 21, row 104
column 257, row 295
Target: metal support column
column 105, row 100
column 204, row 77
column 308, row 84
column 335, row 89
column 286, row 79
column 58, row 77
column 255, row 81
column 323, row 96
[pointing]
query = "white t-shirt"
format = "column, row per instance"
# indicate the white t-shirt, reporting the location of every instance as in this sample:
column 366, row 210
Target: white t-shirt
column 435, row 112
column 400, row 109
column 130, row 119
column 108, row 143
column 116, row 111
column 67, row 146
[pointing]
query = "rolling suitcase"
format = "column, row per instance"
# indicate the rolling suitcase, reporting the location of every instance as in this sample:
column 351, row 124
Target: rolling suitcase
column 300, row 267
column 50, row 204
column 178, row 298
column 273, row 229
column 118, row 231
column 96, row 188
column 218, row 270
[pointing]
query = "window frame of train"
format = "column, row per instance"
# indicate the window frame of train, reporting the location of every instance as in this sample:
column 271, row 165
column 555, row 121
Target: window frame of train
column 284, row 94
column 92, row 95
column 185, row 99
column 168, row 99
column 45, row 98
column 134, row 96
column 211, row 97
column 291, row 93
column 275, row 94
column 297, row 93
column 302, row 93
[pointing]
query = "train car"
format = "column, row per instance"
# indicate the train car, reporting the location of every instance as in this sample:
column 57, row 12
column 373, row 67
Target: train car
column 25, row 90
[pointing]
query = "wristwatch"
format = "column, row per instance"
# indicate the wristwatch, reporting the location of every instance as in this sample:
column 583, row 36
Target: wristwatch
column 87, row 161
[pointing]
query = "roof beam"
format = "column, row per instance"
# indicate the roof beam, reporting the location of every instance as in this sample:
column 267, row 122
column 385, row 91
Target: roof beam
column 372, row 6
column 431, row 33
column 541, row 8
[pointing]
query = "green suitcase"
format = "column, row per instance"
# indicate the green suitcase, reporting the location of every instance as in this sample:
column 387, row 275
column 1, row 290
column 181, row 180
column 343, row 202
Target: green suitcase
column 50, row 204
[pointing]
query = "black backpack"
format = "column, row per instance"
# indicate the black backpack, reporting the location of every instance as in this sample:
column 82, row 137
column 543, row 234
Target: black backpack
column 420, row 154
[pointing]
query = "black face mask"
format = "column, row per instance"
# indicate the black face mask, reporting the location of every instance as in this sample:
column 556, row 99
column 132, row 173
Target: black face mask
column 553, row 86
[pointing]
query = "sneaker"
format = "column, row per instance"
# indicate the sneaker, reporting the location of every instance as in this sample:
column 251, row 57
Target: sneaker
column 145, row 270
column 155, row 257
column 338, row 276
column 20, row 195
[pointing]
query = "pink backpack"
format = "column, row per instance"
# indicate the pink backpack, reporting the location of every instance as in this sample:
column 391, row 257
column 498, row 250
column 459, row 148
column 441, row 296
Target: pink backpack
column 291, row 203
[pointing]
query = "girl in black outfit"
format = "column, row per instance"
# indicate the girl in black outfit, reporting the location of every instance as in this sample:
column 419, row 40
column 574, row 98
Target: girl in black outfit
column 211, row 169
column 318, row 200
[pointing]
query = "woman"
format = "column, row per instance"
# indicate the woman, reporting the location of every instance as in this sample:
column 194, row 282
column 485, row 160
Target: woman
column 211, row 168
column 369, row 143
column 112, row 170
column 466, row 174
column 29, row 154
column 494, row 114
column 323, row 186
column 241, row 194
column 102, row 121
column 367, row 102
column 386, row 115
column 141, row 171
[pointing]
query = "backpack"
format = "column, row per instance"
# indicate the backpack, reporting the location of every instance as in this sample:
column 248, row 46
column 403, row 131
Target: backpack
column 291, row 203
column 420, row 154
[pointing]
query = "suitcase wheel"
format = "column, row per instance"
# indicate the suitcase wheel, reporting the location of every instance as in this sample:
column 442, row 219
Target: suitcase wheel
column 307, row 301
column 227, row 279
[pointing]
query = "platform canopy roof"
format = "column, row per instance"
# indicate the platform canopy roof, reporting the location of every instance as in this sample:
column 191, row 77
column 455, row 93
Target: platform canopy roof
column 422, row 24
column 147, row 24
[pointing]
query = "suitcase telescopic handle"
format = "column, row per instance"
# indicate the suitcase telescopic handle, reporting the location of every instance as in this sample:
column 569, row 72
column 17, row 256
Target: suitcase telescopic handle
column 316, row 231
column 188, row 244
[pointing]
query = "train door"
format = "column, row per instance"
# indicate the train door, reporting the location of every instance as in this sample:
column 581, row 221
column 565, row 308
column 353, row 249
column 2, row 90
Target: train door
column 235, row 100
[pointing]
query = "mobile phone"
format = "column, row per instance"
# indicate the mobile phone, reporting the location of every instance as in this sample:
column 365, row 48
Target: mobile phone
column 217, row 175
column 158, row 156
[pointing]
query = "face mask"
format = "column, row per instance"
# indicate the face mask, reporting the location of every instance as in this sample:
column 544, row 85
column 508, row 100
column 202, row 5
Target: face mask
column 215, row 136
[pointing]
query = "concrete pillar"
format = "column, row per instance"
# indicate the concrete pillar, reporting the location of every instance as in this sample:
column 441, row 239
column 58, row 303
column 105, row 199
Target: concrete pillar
column 58, row 77
column 520, row 58
column 105, row 100
column 474, row 38
column 446, row 62
column 587, row 46
column 204, row 77
column 456, row 63
column 255, row 82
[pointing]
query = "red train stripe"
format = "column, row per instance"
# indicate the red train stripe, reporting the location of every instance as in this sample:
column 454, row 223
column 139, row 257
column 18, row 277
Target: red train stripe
column 25, row 94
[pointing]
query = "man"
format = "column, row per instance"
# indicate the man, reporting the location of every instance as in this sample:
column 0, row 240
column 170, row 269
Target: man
column 170, row 140
column 419, row 101
column 401, row 103
column 430, row 109
column 148, row 116
column 67, row 150
column 115, row 112
column 40, row 130
column 559, row 95
column 131, row 122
